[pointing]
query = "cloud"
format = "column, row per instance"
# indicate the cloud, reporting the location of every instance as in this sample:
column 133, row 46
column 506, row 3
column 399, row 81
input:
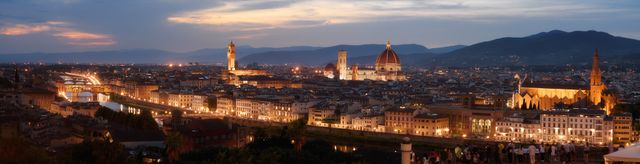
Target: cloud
column 62, row 30
column 77, row 35
column 260, row 15
column 25, row 29
column 21, row 29
column 93, row 43
column 249, row 36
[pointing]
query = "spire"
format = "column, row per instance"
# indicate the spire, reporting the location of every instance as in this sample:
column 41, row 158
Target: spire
column 388, row 44
column 596, row 76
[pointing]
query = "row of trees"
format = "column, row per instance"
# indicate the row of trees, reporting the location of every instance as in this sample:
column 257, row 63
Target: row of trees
column 273, row 145
column 143, row 121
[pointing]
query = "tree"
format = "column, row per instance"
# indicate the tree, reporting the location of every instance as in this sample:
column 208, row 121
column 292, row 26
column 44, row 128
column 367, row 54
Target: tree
column 174, row 143
column 99, row 152
column 297, row 132
column 212, row 103
column 176, row 119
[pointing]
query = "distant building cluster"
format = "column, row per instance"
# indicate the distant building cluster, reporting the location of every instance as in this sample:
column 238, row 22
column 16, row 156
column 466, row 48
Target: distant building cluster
column 480, row 103
column 387, row 68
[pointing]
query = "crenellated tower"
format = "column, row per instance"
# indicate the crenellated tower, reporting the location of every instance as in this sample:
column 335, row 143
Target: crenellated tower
column 231, row 56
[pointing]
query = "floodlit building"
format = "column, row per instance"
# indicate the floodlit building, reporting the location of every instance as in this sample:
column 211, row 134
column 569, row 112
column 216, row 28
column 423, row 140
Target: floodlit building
column 373, row 123
column 181, row 100
column 387, row 68
column 431, row 124
column 400, row 119
column 560, row 126
column 518, row 127
column 622, row 128
column 547, row 96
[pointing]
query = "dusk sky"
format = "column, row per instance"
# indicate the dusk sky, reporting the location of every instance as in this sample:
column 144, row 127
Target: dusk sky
column 185, row 25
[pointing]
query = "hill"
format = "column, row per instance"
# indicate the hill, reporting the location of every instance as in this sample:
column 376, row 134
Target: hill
column 143, row 56
column 329, row 54
column 547, row 48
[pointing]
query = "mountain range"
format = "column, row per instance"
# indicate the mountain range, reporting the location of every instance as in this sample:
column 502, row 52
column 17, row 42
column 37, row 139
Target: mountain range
column 143, row 56
column 245, row 55
column 546, row 48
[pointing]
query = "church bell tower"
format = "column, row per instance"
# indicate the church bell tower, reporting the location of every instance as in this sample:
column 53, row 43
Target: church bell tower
column 341, row 65
column 595, row 81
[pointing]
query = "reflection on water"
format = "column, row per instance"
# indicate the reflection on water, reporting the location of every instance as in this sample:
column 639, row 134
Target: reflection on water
column 103, row 99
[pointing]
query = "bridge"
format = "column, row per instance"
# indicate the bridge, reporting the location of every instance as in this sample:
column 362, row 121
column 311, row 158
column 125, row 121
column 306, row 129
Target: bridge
column 76, row 83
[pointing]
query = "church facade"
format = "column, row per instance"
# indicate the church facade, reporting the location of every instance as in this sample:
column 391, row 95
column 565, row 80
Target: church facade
column 547, row 97
column 387, row 68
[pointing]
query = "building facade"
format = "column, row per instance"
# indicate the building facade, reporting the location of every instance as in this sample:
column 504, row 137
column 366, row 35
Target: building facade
column 547, row 97
column 577, row 125
column 431, row 124
column 622, row 128
column 400, row 120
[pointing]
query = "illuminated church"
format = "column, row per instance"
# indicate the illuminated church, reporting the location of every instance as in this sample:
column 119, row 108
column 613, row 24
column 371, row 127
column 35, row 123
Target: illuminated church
column 546, row 97
column 387, row 68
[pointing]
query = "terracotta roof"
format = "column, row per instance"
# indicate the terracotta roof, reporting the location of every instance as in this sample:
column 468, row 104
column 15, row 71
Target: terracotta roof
column 430, row 116
column 398, row 109
column 558, row 86
column 330, row 67
column 388, row 56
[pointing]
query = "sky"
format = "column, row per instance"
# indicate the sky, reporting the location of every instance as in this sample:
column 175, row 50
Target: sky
column 185, row 25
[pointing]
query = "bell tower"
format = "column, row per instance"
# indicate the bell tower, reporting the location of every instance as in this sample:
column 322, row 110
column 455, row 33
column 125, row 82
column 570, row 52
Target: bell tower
column 341, row 65
column 231, row 56
column 595, row 81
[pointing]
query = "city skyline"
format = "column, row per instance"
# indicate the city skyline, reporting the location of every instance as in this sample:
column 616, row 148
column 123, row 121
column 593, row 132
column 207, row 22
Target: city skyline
column 78, row 25
column 319, row 81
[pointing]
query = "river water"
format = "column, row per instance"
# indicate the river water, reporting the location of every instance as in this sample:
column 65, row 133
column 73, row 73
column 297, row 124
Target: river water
column 103, row 99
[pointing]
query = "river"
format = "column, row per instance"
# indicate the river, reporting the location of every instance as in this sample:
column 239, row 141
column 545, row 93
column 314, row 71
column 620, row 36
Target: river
column 103, row 99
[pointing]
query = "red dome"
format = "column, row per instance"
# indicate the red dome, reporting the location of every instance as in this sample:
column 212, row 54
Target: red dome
column 330, row 67
column 388, row 56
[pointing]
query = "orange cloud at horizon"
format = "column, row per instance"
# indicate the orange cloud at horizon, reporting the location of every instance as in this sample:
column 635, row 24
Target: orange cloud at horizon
column 93, row 43
column 23, row 29
column 77, row 35
column 62, row 30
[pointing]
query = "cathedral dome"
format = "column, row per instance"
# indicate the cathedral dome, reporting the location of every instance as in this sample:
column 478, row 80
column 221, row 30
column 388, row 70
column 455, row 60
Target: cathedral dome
column 330, row 67
column 329, row 70
column 388, row 56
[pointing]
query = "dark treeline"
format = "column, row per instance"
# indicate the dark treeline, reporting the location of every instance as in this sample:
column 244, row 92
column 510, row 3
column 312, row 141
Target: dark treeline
column 273, row 145
column 143, row 121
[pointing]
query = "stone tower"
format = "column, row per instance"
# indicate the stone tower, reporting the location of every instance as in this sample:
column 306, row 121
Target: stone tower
column 354, row 72
column 595, row 81
column 231, row 56
column 341, row 65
